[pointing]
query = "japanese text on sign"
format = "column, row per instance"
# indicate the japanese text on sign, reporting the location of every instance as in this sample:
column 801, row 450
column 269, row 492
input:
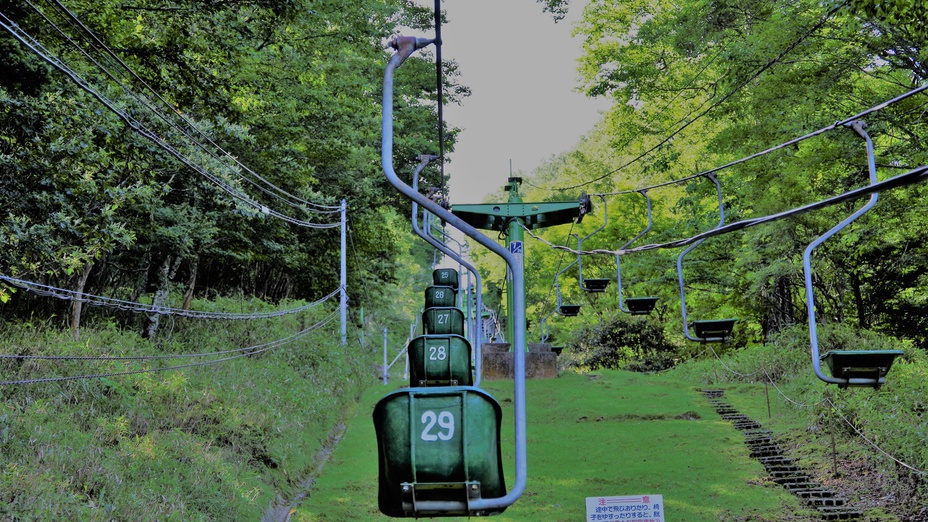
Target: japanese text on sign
column 638, row 508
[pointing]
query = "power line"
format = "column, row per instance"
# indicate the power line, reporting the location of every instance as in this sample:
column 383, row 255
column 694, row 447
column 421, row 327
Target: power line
column 120, row 304
column 731, row 93
column 441, row 101
column 357, row 266
column 37, row 48
column 100, row 45
column 260, row 349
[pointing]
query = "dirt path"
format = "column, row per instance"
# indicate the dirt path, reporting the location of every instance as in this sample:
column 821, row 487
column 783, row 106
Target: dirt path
column 283, row 509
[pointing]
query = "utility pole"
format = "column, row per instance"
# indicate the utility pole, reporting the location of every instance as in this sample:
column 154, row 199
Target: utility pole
column 343, row 304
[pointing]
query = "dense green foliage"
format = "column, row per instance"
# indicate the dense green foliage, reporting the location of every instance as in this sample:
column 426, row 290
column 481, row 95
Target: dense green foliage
column 93, row 200
column 699, row 84
column 617, row 342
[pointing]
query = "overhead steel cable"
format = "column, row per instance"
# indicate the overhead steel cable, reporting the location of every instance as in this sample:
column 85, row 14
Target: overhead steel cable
column 833, row 126
column 666, row 105
column 36, row 47
column 441, row 102
column 731, row 93
column 878, row 448
column 272, row 189
column 131, row 306
column 917, row 175
column 258, row 349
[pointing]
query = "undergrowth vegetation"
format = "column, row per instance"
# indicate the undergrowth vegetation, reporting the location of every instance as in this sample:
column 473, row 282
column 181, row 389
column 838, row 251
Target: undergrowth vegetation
column 210, row 442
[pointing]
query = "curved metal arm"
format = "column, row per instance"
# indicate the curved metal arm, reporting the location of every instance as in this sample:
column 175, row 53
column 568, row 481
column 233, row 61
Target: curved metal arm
column 478, row 344
column 618, row 262
column 405, row 47
column 860, row 128
column 557, row 283
column 686, row 325
column 580, row 241
column 543, row 326
column 427, row 227
column 473, row 329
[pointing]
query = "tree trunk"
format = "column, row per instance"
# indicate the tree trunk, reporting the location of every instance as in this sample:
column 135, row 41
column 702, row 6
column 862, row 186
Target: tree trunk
column 191, row 285
column 165, row 273
column 142, row 280
column 78, row 304
column 862, row 319
column 779, row 310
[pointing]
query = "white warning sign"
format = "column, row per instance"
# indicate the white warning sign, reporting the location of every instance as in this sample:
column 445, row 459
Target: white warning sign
column 640, row 508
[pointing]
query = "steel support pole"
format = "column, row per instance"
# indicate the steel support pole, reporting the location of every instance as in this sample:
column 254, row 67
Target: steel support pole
column 343, row 304
column 385, row 364
column 515, row 244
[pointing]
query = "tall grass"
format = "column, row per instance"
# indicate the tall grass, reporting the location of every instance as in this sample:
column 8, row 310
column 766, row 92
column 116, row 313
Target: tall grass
column 215, row 442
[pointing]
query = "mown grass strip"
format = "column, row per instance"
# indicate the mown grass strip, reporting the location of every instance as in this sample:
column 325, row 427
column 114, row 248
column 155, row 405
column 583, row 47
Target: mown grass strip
column 608, row 433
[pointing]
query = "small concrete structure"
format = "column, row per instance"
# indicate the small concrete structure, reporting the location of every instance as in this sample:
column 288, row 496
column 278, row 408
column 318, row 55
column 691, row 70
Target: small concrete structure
column 499, row 362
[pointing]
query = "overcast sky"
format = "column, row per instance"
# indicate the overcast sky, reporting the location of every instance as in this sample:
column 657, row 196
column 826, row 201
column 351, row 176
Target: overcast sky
column 521, row 67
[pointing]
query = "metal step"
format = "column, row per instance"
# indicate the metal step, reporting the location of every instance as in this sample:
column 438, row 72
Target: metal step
column 782, row 469
column 839, row 513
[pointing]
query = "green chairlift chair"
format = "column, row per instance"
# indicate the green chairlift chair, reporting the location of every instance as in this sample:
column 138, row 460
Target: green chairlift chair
column 635, row 305
column 567, row 310
column 439, row 452
column 707, row 330
column 856, row 368
column 593, row 285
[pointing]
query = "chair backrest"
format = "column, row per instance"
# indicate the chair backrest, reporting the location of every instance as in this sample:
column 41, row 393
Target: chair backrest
column 443, row 320
column 445, row 277
column 440, row 296
column 438, row 451
column 440, row 360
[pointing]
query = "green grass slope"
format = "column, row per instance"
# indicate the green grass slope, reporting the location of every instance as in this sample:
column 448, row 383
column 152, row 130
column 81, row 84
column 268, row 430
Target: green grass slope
column 607, row 433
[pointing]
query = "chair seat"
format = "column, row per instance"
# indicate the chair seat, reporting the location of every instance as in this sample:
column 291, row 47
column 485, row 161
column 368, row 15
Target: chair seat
column 713, row 330
column 640, row 305
column 596, row 285
column 866, row 364
column 569, row 310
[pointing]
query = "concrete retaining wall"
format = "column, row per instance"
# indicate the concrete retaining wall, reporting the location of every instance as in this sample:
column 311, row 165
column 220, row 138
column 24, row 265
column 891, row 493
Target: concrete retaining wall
column 499, row 362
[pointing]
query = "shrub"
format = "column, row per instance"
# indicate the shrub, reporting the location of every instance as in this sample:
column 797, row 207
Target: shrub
column 620, row 342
